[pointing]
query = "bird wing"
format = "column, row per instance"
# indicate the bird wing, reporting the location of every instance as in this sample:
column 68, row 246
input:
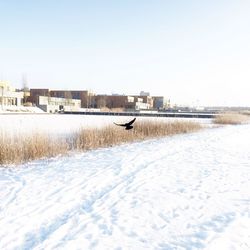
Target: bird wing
column 124, row 125
column 130, row 123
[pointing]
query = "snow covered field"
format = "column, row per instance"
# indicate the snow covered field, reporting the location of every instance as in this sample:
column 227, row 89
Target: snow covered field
column 182, row 192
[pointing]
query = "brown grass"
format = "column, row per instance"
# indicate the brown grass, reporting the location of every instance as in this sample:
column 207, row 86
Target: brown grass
column 232, row 119
column 246, row 112
column 87, row 139
column 18, row 149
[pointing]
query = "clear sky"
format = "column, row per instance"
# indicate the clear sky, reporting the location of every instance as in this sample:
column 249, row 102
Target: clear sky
column 191, row 51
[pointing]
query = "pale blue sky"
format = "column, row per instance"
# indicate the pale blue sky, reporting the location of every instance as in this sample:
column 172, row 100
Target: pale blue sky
column 192, row 51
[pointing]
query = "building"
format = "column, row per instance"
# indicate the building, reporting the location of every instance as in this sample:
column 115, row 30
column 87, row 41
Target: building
column 9, row 97
column 146, row 99
column 123, row 102
column 35, row 93
column 89, row 100
column 54, row 101
column 158, row 102
column 85, row 96
column 155, row 102
column 140, row 104
column 143, row 93
column 57, row 104
column 114, row 101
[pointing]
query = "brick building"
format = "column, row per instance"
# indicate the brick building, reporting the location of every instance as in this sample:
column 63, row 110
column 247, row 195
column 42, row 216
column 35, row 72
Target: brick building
column 114, row 101
column 85, row 96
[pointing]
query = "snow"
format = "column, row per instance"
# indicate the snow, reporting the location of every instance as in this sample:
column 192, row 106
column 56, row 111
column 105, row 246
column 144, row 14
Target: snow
column 20, row 110
column 63, row 124
column 182, row 192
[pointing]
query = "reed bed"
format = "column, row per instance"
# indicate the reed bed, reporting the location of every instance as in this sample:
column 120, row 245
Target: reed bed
column 246, row 112
column 19, row 149
column 23, row 148
column 87, row 139
column 233, row 119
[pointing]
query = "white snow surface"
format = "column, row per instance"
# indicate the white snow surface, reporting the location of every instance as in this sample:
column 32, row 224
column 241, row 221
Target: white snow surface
column 68, row 124
column 187, row 191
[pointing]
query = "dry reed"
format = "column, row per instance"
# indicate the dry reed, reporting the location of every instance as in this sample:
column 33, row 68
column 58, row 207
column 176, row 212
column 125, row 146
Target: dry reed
column 18, row 149
column 246, row 112
column 23, row 148
column 87, row 139
column 232, row 119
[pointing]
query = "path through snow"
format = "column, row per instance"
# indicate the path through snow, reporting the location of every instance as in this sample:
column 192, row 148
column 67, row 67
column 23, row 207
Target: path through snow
column 182, row 192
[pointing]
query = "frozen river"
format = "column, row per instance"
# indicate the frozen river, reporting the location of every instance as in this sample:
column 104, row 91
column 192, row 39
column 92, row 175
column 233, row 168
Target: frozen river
column 61, row 124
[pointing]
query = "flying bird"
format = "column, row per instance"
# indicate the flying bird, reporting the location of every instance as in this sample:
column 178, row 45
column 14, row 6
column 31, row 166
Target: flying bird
column 127, row 125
